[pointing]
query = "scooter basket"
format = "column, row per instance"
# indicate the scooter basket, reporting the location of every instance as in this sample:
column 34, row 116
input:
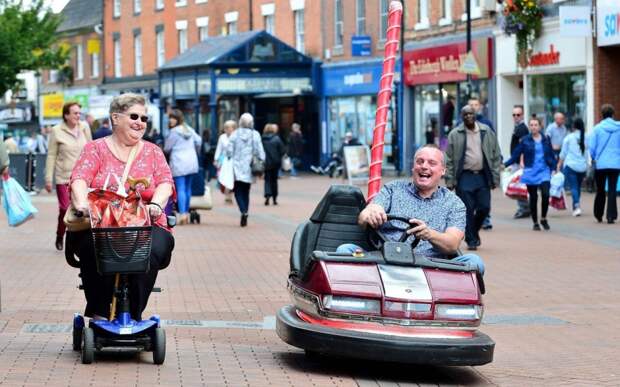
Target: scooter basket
column 124, row 250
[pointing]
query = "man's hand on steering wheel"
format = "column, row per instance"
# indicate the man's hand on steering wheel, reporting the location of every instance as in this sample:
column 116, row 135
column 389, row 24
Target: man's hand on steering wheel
column 420, row 229
column 373, row 215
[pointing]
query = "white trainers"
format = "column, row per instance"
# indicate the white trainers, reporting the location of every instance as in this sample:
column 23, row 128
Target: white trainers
column 577, row 212
column 315, row 169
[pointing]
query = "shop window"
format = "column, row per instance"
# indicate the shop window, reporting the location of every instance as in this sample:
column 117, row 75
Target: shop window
column 549, row 94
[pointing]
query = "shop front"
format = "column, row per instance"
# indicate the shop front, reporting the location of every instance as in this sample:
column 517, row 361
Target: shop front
column 558, row 78
column 225, row 76
column 349, row 104
column 437, row 88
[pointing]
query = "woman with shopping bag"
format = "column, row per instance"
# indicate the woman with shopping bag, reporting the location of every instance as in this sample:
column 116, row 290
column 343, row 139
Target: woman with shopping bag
column 225, row 174
column 574, row 160
column 539, row 162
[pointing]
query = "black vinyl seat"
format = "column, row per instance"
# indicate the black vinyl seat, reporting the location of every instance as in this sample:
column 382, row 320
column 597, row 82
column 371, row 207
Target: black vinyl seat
column 333, row 222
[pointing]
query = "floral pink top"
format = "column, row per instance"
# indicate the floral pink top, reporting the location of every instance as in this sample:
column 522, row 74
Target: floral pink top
column 97, row 164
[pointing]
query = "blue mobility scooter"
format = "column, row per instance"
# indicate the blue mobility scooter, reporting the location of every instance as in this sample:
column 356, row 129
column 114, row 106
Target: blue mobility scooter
column 119, row 251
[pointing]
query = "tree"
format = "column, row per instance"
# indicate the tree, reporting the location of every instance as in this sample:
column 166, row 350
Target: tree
column 28, row 41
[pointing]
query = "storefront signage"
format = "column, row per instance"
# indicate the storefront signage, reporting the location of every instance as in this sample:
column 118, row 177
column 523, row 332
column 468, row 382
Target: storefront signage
column 361, row 45
column 52, row 105
column 607, row 23
column 545, row 58
column 443, row 63
column 575, row 21
column 360, row 78
column 15, row 114
column 263, row 85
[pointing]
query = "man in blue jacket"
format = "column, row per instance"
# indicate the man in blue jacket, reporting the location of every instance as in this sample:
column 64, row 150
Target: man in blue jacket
column 604, row 146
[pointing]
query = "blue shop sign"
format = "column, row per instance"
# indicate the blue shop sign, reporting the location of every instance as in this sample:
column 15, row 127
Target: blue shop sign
column 354, row 78
column 361, row 45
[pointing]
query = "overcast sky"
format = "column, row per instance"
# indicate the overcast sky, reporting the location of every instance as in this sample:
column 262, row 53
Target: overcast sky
column 57, row 5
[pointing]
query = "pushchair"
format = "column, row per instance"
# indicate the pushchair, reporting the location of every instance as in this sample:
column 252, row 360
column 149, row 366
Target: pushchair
column 119, row 251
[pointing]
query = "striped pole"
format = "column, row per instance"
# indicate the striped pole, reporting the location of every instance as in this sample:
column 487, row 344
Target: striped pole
column 384, row 97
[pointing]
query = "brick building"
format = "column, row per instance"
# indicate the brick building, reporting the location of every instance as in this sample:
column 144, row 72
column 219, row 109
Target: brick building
column 80, row 31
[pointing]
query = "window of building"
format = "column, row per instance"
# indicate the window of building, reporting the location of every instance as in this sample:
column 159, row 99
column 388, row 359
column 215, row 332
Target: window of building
column 548, row 94
column 79, row 59
column 230, row 18
column 446, row 13
column 94, row 65
column 159, row 5
column 117, row 58
column 360, row 17
column 160, row 47
column 182, row 40
column 476, row 10
column 137, row 52
column 339, row 24
column 270, row 24
column 52, row 76
column 231, row 28
column 201, row 1
column 137, row 6
column 383, row 19
column 423, row 22
column 300, row 43
column 181, row 3
column 116, row 9
column 203, row 28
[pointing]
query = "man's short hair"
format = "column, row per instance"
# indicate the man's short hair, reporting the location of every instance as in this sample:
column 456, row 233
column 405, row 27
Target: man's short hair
column 431, row 146
column 607, row 111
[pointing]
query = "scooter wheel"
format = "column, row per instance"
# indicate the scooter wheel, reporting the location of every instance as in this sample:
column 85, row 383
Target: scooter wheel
column 77, row 338
column 88, row 345
column 159, row 346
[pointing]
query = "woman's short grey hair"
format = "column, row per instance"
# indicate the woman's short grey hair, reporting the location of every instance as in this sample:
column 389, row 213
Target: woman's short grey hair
column 121, row 103
column 246, row 121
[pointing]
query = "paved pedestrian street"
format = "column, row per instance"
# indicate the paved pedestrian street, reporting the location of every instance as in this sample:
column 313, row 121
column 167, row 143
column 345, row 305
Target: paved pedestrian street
column 552, row 305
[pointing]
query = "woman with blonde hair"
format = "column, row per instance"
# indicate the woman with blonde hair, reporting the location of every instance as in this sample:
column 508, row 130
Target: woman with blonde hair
column 66, row 141
column 274, row 150
column 182, row 144
column 220, row 155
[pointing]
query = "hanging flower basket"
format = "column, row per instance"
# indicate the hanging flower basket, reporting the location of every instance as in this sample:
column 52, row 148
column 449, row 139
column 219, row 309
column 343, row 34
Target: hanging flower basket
column 523, row 18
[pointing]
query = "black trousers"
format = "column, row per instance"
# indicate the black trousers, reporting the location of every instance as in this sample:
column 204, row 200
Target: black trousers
column 532, row 190
column 271, row 183
column 242, row 195
column 474, row 191
column 98, row 289
column 611, row 176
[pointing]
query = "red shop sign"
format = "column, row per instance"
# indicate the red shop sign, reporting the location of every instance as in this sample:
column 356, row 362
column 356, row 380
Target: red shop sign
column 441, row 64
column 545, row 58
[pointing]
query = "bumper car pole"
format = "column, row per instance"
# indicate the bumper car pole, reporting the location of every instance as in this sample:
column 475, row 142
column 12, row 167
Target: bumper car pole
column 384, row 97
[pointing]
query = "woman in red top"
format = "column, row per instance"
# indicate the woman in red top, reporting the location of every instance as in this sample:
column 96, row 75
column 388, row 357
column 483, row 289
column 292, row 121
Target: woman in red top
column 104, row 160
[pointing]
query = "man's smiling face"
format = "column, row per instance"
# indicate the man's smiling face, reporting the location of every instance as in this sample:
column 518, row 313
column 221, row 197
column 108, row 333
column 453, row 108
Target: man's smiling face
column 428, row 168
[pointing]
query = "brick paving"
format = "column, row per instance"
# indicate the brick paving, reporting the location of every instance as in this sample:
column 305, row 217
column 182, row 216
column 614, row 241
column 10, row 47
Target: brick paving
column 552, row 305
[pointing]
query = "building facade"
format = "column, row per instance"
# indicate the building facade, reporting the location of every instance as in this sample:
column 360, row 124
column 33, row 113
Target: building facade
column 606, row 56
column 81, row 32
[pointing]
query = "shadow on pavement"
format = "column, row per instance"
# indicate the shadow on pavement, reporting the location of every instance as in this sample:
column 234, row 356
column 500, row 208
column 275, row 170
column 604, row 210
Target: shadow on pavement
column 380, row 371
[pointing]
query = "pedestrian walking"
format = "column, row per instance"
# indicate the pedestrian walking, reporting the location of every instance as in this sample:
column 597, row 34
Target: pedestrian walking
column 539, row 161
column 604, row 145
column 103, row 130
column 556, row 131
column 295, row 147
column 244, row 146
column 520, row 130
column 66, row 141
column 182, row 145
column 574, row 160
column 274, row 150
column 207, row 152
column 473, row 160
column 109, row 156
column 220, row 157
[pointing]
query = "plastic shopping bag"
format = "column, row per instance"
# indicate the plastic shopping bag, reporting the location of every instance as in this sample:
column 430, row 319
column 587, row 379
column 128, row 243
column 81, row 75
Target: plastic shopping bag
column 515, row 189
column 204, row 202
column 16, row 203
column 226, row 176
column 557, row 185
column 287, row 164
column 559, row 203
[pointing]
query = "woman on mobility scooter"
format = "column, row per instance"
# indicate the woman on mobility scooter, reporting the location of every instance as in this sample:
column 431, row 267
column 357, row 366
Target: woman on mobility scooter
column 100, row 165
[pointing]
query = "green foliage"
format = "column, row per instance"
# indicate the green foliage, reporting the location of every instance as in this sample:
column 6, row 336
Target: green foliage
column 28, row 40
column 524, row 19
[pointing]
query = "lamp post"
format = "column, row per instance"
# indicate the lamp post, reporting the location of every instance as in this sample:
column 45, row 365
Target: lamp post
column 468, row 42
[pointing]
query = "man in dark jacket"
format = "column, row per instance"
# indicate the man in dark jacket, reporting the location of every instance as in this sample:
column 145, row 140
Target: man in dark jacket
column 520, row 131
column 295, row 147
column 473, row 160
column 274, row 150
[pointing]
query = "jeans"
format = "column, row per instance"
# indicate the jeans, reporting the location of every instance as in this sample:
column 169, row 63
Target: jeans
column 611, row 177
column 532, row 190
column 350, row 248
column 183, row 186
column 574, row 180
column 295, row 161
column 242, row 195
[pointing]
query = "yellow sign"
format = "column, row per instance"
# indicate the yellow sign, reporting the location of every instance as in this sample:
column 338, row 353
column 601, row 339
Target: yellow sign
column 469, row 65
column 93, row 46
column 52, row 105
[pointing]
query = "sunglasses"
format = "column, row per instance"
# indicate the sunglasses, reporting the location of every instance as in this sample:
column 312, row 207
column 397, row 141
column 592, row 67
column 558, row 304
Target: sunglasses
column 516, row 115
column 136, row 116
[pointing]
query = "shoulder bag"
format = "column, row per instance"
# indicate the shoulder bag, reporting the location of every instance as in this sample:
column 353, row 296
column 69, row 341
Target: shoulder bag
column 258, row 165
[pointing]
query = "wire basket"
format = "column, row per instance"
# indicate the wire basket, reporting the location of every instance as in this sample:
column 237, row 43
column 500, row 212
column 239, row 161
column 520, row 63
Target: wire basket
column 124, row 250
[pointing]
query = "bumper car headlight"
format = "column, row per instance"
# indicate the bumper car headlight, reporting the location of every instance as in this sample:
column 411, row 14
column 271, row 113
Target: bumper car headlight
column 351, row 304
column 458, row 312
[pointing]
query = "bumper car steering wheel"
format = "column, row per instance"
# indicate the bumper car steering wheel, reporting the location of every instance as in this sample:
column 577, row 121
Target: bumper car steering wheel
column 378, row 238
